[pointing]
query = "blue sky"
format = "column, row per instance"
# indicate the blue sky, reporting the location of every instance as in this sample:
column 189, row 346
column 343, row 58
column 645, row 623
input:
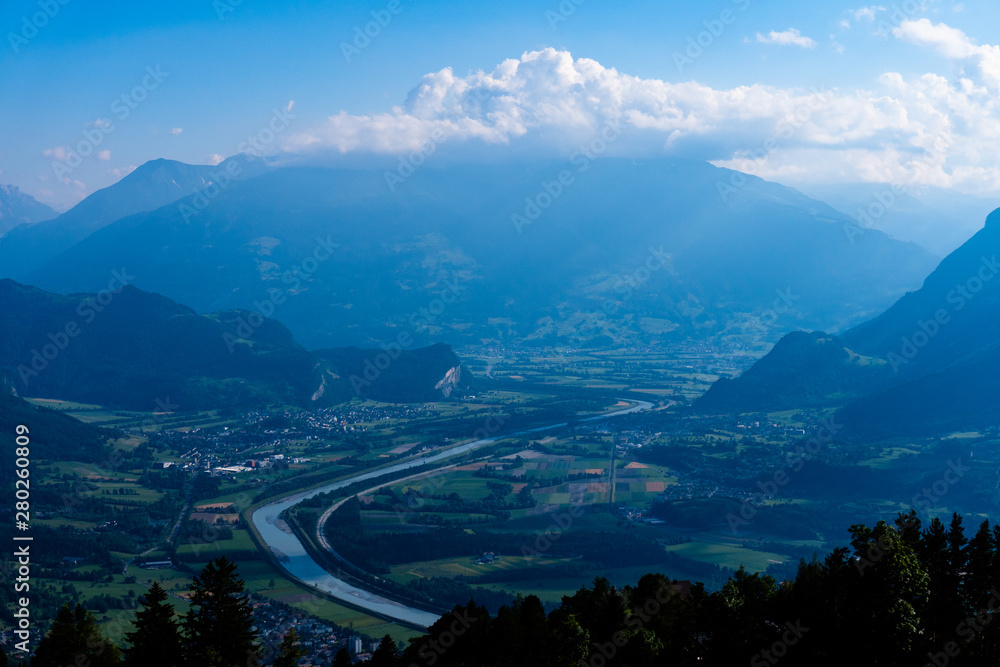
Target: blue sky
column 225, row 68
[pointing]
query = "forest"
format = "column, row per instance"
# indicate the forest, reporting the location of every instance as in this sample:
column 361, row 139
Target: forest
column 902, row 593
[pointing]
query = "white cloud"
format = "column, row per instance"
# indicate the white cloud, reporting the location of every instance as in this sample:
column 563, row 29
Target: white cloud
column 790, row 37
column 290, row 106
column 120, row 173
column 215, row 158
column 927, row 129
column 867, row 13
column 176, row 130
column 59, row 153
column 981, row 62
column 104, row 155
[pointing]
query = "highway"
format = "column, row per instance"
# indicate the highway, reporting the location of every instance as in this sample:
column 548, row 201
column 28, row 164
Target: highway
column 300, row 566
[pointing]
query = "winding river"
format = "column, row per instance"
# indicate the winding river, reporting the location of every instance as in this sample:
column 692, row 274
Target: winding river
column 294, row 559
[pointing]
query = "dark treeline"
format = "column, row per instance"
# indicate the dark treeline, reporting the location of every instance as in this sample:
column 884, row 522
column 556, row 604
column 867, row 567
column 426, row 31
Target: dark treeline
column 901, row 594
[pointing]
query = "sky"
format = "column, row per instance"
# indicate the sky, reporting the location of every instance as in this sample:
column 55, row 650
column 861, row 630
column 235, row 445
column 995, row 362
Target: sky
column 832, row 92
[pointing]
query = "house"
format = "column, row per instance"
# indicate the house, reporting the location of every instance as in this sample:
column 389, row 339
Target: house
column 157, row 564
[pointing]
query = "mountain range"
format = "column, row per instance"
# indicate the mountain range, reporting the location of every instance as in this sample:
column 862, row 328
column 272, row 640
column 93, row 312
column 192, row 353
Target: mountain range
column 150, row 186
column 126, row 348
column 926, row 365
column 536, row 254
column 18, row 208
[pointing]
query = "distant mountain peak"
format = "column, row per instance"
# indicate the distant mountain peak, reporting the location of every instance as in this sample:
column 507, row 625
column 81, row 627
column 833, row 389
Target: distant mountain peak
column 19, row 208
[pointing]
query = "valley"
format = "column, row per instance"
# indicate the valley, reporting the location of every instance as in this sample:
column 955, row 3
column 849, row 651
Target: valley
column 514, row 510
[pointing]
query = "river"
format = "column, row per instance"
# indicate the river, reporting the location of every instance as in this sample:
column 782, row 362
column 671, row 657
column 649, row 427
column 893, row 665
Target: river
column 294, row 559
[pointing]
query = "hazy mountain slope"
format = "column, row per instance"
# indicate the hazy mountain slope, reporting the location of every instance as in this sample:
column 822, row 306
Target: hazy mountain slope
column 18, row 208
column 142, row 351
column 939, row 220
column 931, row 361
column 152, row 185
column 424, row 374
column 503, row 251
column 52, row 435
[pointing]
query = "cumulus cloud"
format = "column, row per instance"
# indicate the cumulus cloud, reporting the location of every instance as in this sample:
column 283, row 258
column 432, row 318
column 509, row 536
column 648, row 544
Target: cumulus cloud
column 929, row 129
column 215, row 158
column 104, row 155
column 790, row 37
column 982, row 62
column 176, row 130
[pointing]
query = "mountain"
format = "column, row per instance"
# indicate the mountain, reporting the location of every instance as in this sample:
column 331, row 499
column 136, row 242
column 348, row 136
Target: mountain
column 406, row 376
column 18, row 208
column 552, row 253
column 929, row 363
column 131, row 349
column 52, row 435
column 937, row 219
column 152, row 185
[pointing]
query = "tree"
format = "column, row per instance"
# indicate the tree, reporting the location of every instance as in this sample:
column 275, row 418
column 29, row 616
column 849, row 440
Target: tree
column 895, row 586
column 290, row 650
column 342, row 659
column 221, row 619
column 75, row 639
column 387, row 653
column 156, row 641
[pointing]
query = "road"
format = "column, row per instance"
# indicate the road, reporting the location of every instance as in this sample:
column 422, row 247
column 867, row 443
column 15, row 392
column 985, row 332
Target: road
column 300, row 566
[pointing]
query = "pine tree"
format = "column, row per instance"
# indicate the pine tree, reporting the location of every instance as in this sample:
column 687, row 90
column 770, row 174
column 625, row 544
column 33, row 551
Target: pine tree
column 342, row 659
column 387, row 653
column 290, row 650
column 156, row 641
column 220, row 623
column 933, row 553
column 75, row 639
